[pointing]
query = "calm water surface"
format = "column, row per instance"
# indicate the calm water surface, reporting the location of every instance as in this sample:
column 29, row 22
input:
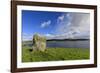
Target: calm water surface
column 69, row 44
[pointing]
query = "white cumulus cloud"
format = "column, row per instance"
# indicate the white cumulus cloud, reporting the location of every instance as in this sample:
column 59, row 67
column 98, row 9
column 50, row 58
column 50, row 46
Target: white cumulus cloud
column 45, row 24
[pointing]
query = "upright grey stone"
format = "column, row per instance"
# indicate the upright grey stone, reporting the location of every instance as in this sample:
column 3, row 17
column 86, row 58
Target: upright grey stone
column 39, row 43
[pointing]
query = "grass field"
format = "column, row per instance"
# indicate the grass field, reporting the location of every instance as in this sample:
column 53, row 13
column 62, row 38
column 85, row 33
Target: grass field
column 54, row 54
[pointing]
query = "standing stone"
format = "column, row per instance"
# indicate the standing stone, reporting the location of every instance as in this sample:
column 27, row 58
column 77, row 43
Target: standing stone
column 39, row 43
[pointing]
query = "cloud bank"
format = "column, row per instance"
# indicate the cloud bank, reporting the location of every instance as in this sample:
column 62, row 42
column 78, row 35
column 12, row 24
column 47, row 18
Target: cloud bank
column 27, row 37
column 73, row 25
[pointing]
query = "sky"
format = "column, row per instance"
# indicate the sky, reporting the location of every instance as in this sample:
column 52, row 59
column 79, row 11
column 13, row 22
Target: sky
column 55, row 25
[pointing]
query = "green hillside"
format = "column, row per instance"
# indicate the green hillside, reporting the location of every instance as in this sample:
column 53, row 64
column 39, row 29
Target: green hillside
column 54, row 54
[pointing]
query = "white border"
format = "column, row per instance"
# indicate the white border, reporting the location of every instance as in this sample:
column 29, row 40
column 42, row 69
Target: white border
column 53, row 63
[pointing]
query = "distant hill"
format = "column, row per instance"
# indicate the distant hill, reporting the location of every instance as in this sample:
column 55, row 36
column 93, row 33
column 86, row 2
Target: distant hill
column 66, row 39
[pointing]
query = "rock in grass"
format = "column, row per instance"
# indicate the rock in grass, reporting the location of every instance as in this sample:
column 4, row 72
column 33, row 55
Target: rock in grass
column 39, row 43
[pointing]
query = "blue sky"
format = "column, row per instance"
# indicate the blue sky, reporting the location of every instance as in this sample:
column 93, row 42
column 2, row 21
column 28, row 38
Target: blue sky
column 55, row 24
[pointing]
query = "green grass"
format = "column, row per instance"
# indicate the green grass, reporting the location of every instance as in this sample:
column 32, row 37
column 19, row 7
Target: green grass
column 54, row 54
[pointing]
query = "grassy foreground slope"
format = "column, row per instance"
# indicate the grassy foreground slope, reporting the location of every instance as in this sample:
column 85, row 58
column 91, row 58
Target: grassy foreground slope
column 54, row 54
